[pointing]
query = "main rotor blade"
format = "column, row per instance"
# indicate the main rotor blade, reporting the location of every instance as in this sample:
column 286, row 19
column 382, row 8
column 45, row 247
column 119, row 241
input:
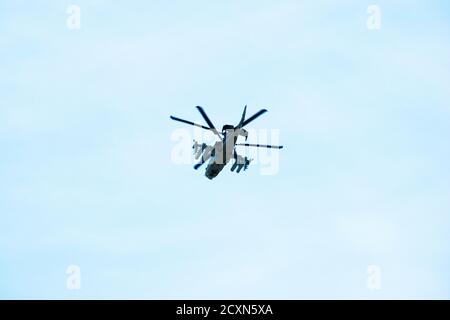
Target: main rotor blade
column 259, row 145
column 253, row 117
column 243, row 117
column 203, row 113
column 189, row 122
column 210, row 124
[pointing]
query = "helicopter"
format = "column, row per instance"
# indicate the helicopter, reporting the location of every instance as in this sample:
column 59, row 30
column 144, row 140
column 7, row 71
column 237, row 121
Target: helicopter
column 224, row 149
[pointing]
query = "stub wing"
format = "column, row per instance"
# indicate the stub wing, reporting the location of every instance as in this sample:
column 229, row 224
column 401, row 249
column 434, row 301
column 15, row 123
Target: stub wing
column 240, row 163
column 203, row 150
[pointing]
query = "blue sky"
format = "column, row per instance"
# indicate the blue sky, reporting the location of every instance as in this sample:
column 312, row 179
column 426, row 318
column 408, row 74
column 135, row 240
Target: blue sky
column 86, row 176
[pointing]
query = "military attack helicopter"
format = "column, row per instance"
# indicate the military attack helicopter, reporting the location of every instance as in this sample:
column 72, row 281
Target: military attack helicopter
column 224, row 150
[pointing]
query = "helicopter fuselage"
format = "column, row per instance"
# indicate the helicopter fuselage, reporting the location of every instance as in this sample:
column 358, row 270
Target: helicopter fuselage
column 223, row 154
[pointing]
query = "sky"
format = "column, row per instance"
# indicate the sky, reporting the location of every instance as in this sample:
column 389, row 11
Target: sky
column 358, row 208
